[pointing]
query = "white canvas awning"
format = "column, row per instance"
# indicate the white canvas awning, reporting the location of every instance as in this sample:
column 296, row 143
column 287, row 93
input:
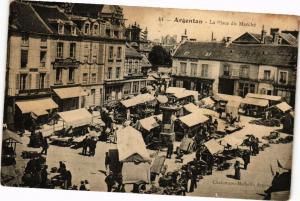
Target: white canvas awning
column 284, row 107
column 208, row 101
column 76, row 118
column 255, row 101
column 139, row 99
column 228, row 98
column 264, row 96
column 9, row 135
column 38, row 105
column 193, row 119
column 148, row 123
column 135, row 172
column 162, row 99
column 213, row 146
column 190, row 107
column 173, row 90
column 130, row 143
column 70, row 92
column 206, row 111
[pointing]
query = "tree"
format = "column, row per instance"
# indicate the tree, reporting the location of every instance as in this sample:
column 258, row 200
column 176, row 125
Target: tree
column 158, row 56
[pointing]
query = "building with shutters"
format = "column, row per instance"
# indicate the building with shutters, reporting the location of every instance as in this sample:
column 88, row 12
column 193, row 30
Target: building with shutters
column 70, row 56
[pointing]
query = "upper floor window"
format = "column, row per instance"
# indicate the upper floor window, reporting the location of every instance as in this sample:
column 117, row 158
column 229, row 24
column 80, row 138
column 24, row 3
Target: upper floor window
column 193, row 69
column 111, row 52
column 58, row 75
column 119, row 53
column 226, row 68
column 43, row 55
column 60, row 50
column 118, row 69
column 43, row 42
column 87, row 28
column 84, row 78
column 109, row 73
column 107, row 32
column 94, row 78
column 283, row 77
column 182, row 68
column 96, row 29
column 23, row 81
column 71, row 74
column 60, row 28
column 244, row 71
column 73, row 30
column 267, row 75
column 25, row 40
column 204, row 70
column 24, row 58
column 72, row 50
column 41, row 80
column 116, row 34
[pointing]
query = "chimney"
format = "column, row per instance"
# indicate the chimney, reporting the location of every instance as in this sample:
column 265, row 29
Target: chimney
column 263, row 35
column 227, row 41
column 184, row 37
column 276, row 38
column 275, row 35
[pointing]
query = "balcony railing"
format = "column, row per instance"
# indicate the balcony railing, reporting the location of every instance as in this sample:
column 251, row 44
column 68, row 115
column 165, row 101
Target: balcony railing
column 34, row 91
column 267, row 79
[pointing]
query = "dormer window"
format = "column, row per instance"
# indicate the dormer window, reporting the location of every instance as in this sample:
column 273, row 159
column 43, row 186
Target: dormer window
column 73, row 30
column 96, row 28
column 87, row 29
column 60, row 28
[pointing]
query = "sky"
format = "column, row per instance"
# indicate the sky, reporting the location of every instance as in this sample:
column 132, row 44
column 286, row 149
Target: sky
column 162, row 21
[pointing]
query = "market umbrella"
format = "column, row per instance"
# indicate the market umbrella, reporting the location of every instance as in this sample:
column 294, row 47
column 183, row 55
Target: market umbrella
column 162, row 99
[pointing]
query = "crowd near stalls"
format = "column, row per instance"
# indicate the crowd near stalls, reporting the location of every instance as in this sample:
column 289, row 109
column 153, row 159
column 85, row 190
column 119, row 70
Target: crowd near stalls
column 208, row 129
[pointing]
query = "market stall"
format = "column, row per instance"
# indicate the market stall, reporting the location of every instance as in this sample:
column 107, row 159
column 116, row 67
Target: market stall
column 191, row 123
column 190, row 108
column 254, row 106
column 149, row 127
column 9, row 143
column 75, row 123
column 133, row 155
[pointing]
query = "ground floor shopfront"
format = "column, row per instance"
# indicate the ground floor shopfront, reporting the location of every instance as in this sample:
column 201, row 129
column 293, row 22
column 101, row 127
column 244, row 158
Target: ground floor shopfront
column 19, row 112
column 94, row 96
column 203, row 86
column 123, row 89
column 286, row 92
column 237, row 87
column 68, row 98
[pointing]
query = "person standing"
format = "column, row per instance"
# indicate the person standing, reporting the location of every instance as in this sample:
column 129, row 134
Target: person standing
column 45, row 146
column 82, row 186
column 237, row 170
column 170, row 149
column 107, row 163
column 193, row 179
column 246, row 159
column 44, row 177
column 85, row 146
column 110, row 181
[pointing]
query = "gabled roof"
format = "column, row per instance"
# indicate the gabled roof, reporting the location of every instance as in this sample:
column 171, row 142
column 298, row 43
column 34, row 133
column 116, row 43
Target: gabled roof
column 51, row 15
column 259, row 54
column 130, row 52
column 289, row 38
column 252, row 38
column 23, row 18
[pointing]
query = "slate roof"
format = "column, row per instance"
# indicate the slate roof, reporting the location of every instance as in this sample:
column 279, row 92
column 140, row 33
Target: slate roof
column 23, row 18
column 289, row 38
column 256, row 38
column 130, row 52
column 48, row 13
column 260, row 54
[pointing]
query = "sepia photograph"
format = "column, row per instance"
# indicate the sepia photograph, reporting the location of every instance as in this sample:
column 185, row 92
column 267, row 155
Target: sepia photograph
column 146, row 100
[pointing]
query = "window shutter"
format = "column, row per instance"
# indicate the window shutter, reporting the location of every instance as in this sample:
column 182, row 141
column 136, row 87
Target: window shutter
column 29, row 82
column 17, row 81
column 37, row 81
column 47, row 81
